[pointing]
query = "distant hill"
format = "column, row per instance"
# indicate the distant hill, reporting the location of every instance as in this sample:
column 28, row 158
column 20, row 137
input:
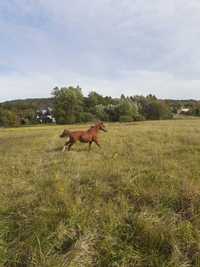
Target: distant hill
column 44, row 103
column 35, row 103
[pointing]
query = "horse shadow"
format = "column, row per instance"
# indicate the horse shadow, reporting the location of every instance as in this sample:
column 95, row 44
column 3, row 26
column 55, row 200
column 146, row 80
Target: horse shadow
column 74, row 149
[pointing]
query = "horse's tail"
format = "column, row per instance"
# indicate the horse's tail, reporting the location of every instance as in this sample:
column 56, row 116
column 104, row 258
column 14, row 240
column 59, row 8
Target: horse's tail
column 65, row 133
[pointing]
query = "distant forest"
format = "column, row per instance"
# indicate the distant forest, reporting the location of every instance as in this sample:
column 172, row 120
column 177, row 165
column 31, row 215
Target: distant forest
column 68, row 105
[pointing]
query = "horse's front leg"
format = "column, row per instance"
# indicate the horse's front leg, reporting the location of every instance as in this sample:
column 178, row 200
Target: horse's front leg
column 97, row 143
column 70, row 145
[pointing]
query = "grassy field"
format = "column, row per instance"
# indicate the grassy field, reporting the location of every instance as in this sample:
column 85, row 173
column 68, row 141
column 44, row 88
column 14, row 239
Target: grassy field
column 136, row 202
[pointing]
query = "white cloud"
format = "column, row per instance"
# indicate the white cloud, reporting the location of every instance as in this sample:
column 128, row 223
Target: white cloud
column 131, row 83
column 130, row 46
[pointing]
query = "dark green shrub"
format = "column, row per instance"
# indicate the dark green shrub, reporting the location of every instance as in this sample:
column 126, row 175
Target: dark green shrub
column 8, row 118
column 139, row 117
column 125, row 118
column 85, row 117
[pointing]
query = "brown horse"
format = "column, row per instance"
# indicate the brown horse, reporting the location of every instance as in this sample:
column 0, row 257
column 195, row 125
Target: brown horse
column 89, row 136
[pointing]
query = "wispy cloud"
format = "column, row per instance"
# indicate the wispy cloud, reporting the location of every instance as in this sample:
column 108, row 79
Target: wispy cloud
column 130, row 46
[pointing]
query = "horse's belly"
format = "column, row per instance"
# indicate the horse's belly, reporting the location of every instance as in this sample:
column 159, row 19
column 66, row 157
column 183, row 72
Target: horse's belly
column 85, row 139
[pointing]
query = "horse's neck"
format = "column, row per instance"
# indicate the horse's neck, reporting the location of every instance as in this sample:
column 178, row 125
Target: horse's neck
column 93, row 130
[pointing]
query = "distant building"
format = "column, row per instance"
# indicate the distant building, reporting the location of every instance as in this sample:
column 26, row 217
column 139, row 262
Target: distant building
column 45, row 116
column 183, row 111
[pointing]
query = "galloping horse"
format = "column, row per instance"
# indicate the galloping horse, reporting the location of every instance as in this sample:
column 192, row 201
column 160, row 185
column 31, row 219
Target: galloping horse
column 89, row 136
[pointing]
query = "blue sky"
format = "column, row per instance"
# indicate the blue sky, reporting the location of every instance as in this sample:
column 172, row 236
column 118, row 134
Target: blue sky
column 111, row 46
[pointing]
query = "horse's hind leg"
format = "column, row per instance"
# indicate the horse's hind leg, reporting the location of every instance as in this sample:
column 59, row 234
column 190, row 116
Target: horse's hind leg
column 70, row 145
column 90, row 144
column 65, row 146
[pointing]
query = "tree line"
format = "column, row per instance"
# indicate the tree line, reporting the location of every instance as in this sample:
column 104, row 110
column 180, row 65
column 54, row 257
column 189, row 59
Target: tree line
column 69, row 105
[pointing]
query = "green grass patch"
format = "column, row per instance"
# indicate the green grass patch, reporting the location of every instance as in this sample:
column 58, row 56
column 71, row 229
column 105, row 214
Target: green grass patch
column 135, row 202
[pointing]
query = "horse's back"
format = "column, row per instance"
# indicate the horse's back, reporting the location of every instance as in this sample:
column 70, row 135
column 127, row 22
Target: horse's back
column 76, row 135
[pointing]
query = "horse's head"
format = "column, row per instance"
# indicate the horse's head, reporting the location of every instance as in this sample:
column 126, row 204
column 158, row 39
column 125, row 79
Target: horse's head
column 101, row 126
column 65, row 133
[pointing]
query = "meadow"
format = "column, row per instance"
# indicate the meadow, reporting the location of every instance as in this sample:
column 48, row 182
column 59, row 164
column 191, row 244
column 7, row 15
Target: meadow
column 135, row 202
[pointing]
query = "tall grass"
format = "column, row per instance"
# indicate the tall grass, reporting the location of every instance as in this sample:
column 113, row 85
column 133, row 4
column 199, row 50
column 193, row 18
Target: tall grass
column 136, row 202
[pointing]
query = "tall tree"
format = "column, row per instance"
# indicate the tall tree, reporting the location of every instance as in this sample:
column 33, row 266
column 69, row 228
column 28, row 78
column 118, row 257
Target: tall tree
column 68, row 103
column 93, row 100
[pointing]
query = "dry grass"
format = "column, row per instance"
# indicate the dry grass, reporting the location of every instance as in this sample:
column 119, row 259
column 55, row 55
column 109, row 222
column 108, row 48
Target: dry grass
column 134, row 203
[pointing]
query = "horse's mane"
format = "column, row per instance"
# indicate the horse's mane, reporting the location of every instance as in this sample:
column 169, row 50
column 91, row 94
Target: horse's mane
column 91, row 127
